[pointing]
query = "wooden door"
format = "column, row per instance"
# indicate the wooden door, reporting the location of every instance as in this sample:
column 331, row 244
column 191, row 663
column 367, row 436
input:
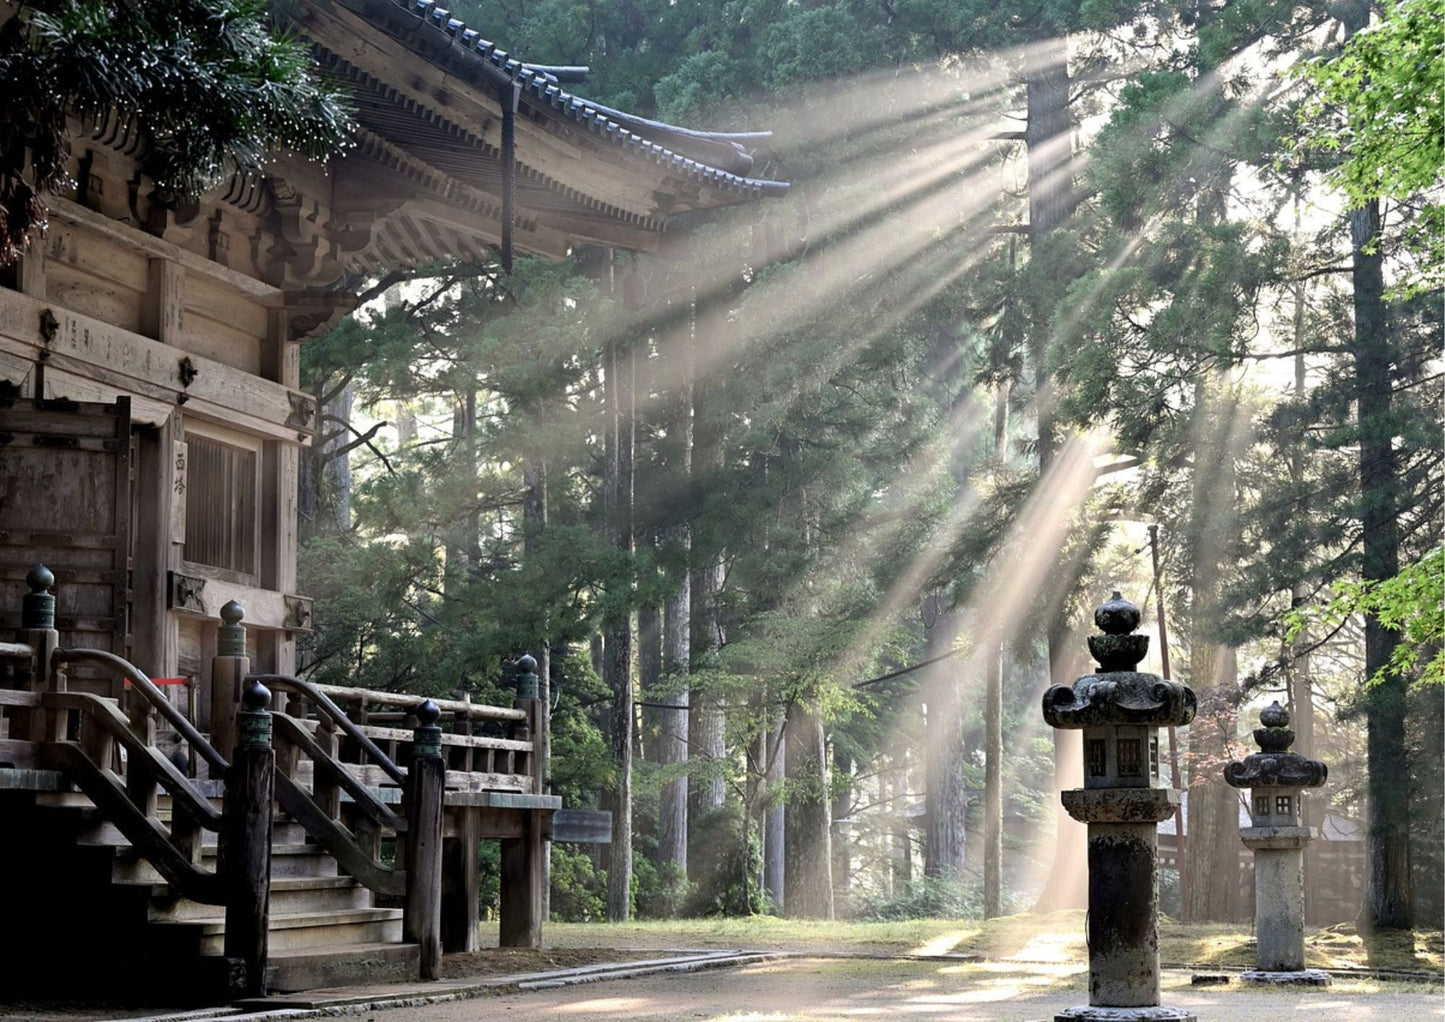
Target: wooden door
column 65, row 502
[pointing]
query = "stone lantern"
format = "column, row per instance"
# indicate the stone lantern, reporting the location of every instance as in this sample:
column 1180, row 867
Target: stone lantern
column 1120, row 711
column 1276, row 779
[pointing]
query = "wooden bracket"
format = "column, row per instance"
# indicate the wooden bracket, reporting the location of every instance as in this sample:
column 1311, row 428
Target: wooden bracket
column 298, row 613
column 186, row 593
column 303, row 411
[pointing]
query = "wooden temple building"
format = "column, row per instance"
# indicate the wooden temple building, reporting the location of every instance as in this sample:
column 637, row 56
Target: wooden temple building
column 150, row 424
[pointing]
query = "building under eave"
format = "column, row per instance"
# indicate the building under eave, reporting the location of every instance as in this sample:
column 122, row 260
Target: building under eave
column 151, row 423
column 162, row 510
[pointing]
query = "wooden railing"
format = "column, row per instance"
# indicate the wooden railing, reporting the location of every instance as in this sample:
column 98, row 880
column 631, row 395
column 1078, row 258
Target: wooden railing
column 353, row 832
column 485, row 748
column 356, row 768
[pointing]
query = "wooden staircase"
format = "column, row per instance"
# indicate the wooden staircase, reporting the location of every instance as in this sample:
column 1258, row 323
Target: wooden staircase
column 304, row 857
column 324, row 928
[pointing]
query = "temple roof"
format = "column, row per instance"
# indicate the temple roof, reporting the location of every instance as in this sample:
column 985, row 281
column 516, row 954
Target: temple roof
column 426, row 181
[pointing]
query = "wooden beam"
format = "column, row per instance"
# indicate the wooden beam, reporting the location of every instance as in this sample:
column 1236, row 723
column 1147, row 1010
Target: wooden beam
column 69, row 212
column 163, row 316
column 119, row 358
column 265, row 608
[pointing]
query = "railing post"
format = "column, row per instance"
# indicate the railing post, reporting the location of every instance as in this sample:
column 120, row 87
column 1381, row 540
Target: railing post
column 37, row 630
column 229, row 668
column 426, row 777
column 245, row 852
column 523, row 858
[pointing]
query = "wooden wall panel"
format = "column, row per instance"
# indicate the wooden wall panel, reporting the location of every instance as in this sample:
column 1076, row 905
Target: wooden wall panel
column 94, row 296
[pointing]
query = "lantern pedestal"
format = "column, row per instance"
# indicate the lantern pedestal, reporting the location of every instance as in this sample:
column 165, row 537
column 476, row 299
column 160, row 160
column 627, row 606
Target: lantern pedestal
column 1123, row 900
column 1120, row 710
column 1277, row 778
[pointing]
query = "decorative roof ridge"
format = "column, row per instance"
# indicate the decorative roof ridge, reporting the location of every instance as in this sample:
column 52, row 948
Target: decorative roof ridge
column 625, row 130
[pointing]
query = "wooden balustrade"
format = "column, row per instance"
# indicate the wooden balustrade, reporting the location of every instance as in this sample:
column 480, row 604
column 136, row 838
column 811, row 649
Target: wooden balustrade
column 336, row 767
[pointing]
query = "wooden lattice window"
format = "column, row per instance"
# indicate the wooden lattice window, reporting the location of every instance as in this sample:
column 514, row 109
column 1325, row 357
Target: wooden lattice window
column 221, row 501
column 1131, row 760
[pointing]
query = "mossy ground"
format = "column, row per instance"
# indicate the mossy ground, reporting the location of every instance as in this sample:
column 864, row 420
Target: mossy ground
column 1054, row 937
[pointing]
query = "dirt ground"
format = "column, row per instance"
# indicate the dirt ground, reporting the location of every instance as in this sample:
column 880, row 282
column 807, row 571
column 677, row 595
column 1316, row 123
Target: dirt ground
column 805, row 989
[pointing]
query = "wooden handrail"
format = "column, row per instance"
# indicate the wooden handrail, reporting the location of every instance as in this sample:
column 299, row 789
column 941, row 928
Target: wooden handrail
column 16, row 651
column 337, row 841
column 287, row 729
column 141, row 683
column 473, row 711
column 176, row 784
column 317, row 695
column 107, row 791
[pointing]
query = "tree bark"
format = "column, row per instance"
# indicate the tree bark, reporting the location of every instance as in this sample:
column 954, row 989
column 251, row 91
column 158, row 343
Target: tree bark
column 677, row 624
column 617, row 626
column 774, row 829
column 534, row 517
column 1211, row 882
column 993, row 786
column 1388, row 899
column 807, row 883
column 1047, row 138
column 944, row 797
column 323, row 492
column 901, row 838
column 842, row 865
column 649, row 680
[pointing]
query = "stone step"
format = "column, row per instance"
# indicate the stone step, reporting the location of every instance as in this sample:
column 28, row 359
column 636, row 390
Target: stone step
column 103, row 833
column 289, row 896
column 287, row 860
column 334, row 965
column 298, row 929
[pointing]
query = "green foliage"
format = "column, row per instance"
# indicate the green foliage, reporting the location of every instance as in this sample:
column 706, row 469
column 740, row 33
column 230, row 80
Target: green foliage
column 1411, row 603
column 724, row 857
column 579, row 891
column 658, row 892
column 212, row 86
column 925, row 897
column 1377, row 104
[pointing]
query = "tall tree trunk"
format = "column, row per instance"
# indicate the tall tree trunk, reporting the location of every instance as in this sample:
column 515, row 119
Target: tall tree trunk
column 617, row 625
column 807, row 883
column 1047, row 137
column 993, row 785
column 677, row 620
column 649, row 680
column 842, row 866
column 1211, row 884
column 534, row 517
column 1301, row 674
column 944, row 797
column 323, row 493
column 774, row 829
column 1387, row 850
column 902, row 836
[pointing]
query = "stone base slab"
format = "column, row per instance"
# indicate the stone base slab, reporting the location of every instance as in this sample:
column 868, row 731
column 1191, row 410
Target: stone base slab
column 1268, row 838
column 1304, row 977
column 1094, row 1013
column 1120, row 805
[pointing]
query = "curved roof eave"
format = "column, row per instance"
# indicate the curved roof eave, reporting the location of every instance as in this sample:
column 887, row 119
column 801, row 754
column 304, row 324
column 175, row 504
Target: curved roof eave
column 712, row 153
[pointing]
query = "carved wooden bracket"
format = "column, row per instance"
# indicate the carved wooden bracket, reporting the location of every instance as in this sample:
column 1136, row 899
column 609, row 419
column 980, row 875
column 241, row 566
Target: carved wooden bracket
column 303, row 411
column 298, row 613
column 185, row 593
